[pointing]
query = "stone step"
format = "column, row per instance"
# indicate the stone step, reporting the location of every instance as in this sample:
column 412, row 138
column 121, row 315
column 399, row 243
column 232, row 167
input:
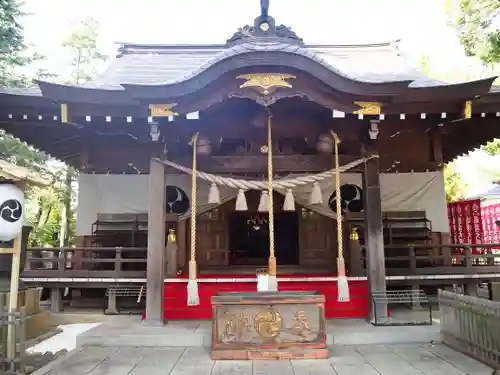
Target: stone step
column 278, row 354
column 191, row 335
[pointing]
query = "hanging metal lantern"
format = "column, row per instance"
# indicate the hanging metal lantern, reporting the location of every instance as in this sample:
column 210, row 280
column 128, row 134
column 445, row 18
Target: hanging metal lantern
column 11, row 211
column 325, row 144
column 203, row 145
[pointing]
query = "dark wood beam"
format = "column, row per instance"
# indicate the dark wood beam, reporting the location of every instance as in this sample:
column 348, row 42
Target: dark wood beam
column 374, row 234
column 258, row 163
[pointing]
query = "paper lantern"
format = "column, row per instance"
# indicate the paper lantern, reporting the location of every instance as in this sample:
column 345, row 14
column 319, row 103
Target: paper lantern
column 11, row 211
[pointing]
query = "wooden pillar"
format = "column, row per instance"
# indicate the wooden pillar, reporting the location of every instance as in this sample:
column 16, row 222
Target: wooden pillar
column 55, row 300
column 436, row 147
column 156, row 244
column 374, row 231
column 182, row 243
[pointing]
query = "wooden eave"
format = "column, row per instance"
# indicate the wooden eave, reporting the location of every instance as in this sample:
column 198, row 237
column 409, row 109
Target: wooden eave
column 85, row 94
column 21, row 175
column 458, row 91
column 458, row 138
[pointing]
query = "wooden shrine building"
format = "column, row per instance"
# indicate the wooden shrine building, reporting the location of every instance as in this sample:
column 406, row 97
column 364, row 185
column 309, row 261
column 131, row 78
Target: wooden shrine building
column 130, row 131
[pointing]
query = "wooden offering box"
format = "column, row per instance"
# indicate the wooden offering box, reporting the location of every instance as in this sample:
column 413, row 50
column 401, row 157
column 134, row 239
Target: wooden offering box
column 268, row 325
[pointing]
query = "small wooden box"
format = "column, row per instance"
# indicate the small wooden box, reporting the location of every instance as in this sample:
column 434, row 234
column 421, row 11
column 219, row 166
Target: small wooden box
column 268, row 325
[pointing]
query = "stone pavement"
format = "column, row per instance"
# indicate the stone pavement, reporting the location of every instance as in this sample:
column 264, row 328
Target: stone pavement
column 400, row 359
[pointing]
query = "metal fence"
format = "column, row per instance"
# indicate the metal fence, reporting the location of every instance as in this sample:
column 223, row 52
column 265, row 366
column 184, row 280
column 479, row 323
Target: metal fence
column 401, row 303
column 472, row 326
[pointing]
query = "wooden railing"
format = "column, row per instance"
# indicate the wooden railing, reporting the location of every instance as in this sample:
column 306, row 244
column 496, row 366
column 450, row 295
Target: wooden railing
column 108, row 262
column 404, row 260
column 472, row 326
column 127, row 262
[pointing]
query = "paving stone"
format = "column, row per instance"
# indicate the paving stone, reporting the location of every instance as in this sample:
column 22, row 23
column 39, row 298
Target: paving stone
column 399, row 359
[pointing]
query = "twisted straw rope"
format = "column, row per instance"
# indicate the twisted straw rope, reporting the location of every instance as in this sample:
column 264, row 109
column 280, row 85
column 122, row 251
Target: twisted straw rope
column 340, row 243
column 193, row 205
column 263, row 185
column 270, row 188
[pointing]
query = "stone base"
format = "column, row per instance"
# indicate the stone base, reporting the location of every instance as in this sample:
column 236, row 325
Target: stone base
column 283, row 354
column 37, row 324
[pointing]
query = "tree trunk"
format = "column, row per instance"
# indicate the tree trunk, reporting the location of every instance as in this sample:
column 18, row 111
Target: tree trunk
column 66, row 211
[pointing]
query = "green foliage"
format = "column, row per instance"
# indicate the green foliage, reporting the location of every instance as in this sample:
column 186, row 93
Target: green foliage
column 12, row 47
column 492, row 148
column 82, row 44
column 453, row 184
column 42, row 205
column 478, row 24
column 50, row 211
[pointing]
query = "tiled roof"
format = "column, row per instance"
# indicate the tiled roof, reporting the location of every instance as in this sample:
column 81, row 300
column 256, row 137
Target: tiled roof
column 156, row 64
column 165, row 64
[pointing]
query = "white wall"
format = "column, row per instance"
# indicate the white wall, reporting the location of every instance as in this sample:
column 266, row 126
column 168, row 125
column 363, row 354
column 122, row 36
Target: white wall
column 129, row 194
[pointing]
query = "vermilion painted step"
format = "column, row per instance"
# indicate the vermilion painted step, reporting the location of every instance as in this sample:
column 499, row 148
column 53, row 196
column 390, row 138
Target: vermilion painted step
column 175, row 302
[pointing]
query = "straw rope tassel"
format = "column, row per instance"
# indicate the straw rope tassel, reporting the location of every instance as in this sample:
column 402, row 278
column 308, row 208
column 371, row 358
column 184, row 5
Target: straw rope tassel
column 193, row 298
column 342, row 283
column 272, row 258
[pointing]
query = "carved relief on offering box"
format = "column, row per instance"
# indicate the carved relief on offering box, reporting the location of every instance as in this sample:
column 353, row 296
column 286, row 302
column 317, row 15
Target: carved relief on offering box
column 236, row 325
column 269, row 325
column 257, row 322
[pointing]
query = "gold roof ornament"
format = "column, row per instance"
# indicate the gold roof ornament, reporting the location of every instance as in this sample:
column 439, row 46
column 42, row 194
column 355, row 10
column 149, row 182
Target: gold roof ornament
column 468, row 109
column 162, row 110
column 64, row 113
column 266, row 82
column 368, row 108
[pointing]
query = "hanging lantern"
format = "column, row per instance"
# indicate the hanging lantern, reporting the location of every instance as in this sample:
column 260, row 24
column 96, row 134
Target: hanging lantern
column 11, row 211
column 325, row 144
column 203, row 145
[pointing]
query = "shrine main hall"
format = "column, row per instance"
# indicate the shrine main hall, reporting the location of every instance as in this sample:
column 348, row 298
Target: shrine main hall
column 202, row 165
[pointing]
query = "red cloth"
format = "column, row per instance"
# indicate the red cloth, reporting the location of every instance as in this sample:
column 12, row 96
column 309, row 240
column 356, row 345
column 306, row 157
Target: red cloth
column 489, row 215
column 466, row 225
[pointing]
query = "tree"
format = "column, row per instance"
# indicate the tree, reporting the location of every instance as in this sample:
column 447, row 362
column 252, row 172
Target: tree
column 53, row 225
column 492, row 148
column 42, row 204
column 453, row 184
column 12, row 46
column 478, row 24
column 85, row 55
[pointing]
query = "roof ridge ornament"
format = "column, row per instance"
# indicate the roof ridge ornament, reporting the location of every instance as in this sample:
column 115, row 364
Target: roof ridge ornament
column 264, row 8
column 264, row 31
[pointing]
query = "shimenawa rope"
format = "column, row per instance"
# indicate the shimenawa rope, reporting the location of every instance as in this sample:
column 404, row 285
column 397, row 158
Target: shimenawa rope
column 342, row 283
column 193, row 298
column 272, row 258
column 287, row 183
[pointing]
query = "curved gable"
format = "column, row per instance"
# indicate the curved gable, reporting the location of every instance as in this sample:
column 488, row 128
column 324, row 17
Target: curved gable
column 276, row 55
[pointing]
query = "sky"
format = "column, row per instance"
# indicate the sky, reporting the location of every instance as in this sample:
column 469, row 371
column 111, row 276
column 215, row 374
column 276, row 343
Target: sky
column 420, row 24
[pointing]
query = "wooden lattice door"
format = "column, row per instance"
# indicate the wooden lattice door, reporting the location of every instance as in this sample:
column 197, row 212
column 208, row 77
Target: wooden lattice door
column 317, row 240
column 212, row 238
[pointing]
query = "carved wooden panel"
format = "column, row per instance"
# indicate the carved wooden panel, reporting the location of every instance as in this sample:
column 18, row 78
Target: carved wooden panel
column 282, row 325
column 317, row 240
